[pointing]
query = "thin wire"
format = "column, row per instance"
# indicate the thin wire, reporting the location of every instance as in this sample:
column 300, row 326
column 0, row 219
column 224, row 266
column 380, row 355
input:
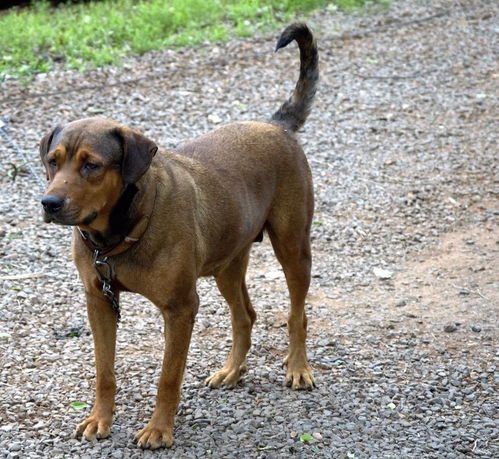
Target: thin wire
column 20, row 154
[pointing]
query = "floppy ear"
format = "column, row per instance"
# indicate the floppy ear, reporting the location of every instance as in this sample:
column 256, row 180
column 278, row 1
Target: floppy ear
column 138, row 152
column 46, row 141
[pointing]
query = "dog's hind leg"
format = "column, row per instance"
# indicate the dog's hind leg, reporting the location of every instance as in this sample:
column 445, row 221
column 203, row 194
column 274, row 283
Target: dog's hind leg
column 292, row 248
column 232, row 286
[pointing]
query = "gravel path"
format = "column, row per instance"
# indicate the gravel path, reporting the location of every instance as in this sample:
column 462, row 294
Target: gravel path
column 404, row 303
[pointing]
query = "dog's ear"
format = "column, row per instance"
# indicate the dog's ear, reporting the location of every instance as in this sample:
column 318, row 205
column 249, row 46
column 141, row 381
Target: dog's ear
column 47, row 141
column 138, row 152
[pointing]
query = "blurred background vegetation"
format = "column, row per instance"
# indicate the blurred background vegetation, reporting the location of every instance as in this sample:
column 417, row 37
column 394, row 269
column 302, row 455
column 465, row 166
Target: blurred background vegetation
column 86, row 34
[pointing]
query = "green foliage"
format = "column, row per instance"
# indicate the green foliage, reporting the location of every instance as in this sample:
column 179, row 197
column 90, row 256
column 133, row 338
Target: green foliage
column 306, row 437
column 350, row 5
column 79, row 406
column 93, row 34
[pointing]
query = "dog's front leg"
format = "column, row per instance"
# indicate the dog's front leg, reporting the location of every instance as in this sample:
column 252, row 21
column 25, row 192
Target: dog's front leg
column 103, row 322
column 179, row 321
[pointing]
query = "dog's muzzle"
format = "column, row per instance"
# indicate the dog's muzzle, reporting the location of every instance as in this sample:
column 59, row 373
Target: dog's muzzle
column 56, row 210
column 52, row 204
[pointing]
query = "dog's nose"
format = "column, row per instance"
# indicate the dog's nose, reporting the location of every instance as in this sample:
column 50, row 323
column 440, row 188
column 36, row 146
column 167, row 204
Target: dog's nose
column 52, row 204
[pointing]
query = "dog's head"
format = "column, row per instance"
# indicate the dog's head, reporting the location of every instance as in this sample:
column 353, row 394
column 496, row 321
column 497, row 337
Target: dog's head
column 89, row 162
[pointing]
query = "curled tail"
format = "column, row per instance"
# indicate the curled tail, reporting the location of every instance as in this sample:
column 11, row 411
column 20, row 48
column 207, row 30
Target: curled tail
column 293, row 113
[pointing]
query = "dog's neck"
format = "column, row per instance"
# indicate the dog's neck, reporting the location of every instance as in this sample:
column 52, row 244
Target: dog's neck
column 121, row 220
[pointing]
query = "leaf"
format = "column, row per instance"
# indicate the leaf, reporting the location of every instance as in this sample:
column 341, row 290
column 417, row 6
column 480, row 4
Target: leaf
column 5, row 335
column 79, row 405
column 306, row 437
column 391, row 406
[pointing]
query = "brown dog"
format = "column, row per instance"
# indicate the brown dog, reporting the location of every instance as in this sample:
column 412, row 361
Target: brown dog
column 153, row 223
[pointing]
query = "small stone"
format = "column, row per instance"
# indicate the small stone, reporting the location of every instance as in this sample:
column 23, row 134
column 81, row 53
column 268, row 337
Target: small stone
column 15, row 447
column 274, row 274
column 401, row 304
column 215, row 119
column 383, row 274
column 476, row 328
column 317, row 435
column 450, row 328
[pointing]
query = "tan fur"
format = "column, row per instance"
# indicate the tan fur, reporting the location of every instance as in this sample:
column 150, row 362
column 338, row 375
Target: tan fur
column 210, row 200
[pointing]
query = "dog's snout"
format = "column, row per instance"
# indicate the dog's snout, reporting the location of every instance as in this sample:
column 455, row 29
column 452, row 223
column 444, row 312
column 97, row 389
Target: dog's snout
column 52, row 204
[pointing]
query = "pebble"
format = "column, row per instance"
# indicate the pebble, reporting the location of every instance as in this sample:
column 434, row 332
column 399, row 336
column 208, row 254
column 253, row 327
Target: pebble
column 450, row 328
column 15, row 447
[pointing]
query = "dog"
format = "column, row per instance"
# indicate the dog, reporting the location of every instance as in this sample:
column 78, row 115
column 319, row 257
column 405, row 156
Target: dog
column 153, row 223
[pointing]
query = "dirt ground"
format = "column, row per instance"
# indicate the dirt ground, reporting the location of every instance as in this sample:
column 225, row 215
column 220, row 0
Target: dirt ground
column 451, row 286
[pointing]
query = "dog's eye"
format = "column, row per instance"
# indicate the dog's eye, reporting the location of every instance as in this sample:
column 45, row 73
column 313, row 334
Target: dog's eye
column 89, row 167
column 52, row 162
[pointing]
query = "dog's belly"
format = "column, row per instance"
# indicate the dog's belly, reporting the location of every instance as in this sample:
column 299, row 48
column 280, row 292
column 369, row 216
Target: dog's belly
column 231, row 239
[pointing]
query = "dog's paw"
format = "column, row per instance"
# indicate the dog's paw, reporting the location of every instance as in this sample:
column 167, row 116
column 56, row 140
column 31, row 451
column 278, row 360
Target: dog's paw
column 93, row 428
column 151, row 437
column 227, row 377
column 299, row 375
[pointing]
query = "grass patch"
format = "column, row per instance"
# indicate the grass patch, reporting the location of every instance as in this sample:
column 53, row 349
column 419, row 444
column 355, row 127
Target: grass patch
column 93, row 34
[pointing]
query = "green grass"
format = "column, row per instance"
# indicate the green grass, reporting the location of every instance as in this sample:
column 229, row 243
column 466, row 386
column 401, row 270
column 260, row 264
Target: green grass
column 93, row 34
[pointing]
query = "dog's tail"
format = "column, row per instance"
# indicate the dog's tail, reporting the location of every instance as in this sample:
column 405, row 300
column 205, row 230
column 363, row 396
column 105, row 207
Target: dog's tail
column 293, row 113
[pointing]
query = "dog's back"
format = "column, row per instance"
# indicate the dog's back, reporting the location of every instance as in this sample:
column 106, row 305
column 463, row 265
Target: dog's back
column 258, row 170
column 231, row 152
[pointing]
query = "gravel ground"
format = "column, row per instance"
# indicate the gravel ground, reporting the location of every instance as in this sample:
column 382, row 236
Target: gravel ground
column 404, row 303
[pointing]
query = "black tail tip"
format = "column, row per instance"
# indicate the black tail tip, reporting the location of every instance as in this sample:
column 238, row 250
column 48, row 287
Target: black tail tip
column 283, row 42
column 292, row 32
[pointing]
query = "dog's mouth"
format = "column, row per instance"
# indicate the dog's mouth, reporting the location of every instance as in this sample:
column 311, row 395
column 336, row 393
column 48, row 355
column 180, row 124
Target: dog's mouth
column 86, row 221
column 68, row 218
